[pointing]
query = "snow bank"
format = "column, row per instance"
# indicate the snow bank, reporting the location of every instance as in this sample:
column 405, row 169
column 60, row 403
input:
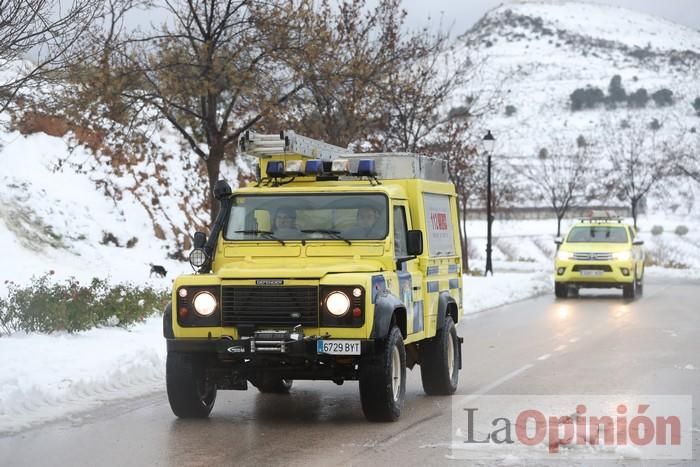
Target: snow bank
column 44, row 377
column 482, row 293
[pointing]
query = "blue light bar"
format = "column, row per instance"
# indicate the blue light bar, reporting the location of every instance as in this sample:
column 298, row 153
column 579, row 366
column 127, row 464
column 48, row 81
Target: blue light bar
column 314, row 167
column 275, row 169
column 366, row 168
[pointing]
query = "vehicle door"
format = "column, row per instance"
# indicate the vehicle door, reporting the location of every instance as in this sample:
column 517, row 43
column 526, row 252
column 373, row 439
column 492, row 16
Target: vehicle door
column 409, row 275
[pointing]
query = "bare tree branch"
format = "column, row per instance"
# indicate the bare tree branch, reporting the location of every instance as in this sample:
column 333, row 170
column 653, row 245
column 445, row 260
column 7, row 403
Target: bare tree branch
column 36, row 38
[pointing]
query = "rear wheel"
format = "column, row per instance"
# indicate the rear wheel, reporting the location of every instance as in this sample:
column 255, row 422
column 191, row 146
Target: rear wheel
column 383, row 380
column 189, row 393
column 439, row 361
column 561, row 290
column 273, row 385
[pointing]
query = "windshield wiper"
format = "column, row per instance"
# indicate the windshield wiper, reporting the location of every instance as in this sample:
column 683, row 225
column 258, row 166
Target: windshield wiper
column 265, row 233
column 333, row 233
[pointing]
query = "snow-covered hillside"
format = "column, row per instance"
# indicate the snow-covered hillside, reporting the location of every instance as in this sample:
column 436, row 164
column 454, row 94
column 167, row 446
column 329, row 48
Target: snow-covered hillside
column 536, row 53
column 67, row 211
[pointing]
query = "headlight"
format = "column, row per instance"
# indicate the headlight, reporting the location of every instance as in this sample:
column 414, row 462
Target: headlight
column 204, row 303
column 198, row 257
column 337, row 303
column 623, row 255
column 564, row 255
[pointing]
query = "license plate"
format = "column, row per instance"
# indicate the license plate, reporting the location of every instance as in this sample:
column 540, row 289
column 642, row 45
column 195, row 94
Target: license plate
column 591, row 272
column 338, row 347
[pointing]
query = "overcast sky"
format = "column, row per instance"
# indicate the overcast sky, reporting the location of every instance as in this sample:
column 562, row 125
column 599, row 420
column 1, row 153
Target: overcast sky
column 462, row 14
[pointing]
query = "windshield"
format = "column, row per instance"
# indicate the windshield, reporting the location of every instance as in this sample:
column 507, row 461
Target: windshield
column 597, row 234
column 307, row 217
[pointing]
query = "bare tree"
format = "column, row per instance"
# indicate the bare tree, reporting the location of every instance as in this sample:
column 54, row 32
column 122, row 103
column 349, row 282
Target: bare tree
column 43, row 30
column 559, row 175
column 215, row 70
column 346, row 80
column 689, row 162
column 640, row 157
column 415, row 94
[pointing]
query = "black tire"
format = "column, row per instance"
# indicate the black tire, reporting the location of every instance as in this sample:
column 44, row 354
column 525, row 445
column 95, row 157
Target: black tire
column 382, row 384
column 189, row 394
column 561, row 290
column 272, row 385
column 640, row 285
column 439, row 361
column 628, row 291
column 168, row 321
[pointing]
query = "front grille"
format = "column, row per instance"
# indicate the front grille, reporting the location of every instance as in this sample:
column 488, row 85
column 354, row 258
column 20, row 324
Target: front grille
column 270, row 306
column 592, row 267
column 593, row 256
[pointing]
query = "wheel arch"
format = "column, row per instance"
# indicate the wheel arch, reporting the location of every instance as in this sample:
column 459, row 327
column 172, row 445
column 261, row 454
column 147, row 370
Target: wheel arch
column 388, row 309
column 447, row 306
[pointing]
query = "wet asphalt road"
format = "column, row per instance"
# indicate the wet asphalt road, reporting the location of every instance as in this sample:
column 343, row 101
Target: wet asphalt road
column 596, row 344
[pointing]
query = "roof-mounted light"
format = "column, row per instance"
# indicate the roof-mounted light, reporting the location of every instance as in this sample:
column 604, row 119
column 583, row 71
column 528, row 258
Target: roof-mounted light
column 314, row 167
column 294, row 167
column 340, row 167
column 366, row 168
column 275, row 169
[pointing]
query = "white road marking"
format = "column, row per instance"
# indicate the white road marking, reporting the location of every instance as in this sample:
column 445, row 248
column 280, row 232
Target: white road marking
column 484, row 389
column 574, row 339
column 544, row 357
column 560, row 348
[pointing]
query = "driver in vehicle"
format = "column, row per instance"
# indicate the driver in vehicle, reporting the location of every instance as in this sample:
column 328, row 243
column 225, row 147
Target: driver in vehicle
column 285, row 224
column 369, row 224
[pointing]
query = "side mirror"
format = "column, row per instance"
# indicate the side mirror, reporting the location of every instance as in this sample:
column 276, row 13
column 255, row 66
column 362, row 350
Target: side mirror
column 638, row 242
column 415, row 243
column 558, row 240
column 200, row 239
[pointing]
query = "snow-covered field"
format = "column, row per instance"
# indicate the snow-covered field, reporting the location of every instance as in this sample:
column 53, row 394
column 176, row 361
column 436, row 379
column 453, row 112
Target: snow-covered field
column 529, row 245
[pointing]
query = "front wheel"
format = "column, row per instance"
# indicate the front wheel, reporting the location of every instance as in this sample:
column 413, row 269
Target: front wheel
column 561, row 290
column 640, row 286
column 189, row 393
column 383, row 380
column 439, row 361
column 628, row 290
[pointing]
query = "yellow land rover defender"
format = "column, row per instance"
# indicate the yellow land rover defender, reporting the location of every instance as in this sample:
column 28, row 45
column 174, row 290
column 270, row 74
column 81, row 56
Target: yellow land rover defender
column 599, row 252
column 333, row 266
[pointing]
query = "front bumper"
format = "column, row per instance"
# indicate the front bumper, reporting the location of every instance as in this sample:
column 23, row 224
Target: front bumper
column 601, row 274
column 248, row 348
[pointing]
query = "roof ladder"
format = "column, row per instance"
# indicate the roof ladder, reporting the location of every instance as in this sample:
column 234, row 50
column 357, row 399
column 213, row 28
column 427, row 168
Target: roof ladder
column 288, row 143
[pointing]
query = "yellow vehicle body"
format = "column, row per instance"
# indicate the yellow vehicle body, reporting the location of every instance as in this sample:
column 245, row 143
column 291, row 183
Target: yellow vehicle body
column 599, row 254
column 272, row 320
column 332, row 262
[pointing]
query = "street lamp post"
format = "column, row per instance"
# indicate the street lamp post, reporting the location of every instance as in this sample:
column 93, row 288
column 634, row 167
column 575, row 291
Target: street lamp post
column 489, row 143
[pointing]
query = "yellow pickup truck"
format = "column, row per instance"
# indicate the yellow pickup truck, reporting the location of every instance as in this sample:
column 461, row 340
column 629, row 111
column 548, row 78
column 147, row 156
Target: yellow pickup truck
column 333, row 266
column 599, row 252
